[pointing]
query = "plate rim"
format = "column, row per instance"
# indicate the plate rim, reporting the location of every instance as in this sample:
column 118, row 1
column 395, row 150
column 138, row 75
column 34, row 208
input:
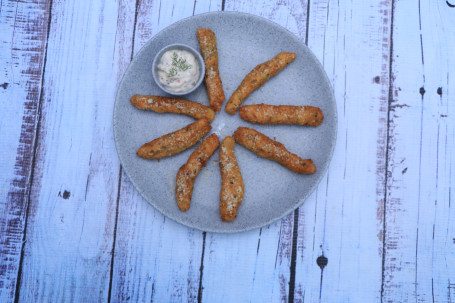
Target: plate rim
column 304, row 197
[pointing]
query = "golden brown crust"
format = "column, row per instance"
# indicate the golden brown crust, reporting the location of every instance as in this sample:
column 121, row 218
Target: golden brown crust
column 256, row 78
column 232, row 187
column 176, row 142
column 173, row 105
column 188, row 172
column 282, row 114
column 267, row 148
column 207, row 44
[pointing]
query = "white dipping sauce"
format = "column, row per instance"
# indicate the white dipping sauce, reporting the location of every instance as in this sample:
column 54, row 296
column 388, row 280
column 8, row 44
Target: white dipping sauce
column 178, row 70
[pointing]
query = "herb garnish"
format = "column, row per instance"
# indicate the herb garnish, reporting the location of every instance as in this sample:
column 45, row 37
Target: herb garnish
column 178, row 64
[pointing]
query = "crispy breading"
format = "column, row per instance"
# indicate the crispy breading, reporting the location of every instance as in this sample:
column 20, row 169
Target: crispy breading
column 232, row 187
column 173, row 105
column 175, row 142
column 256, row 78
column 281, row 114
column 267, row 148
column 209, row 51
column 188, row 172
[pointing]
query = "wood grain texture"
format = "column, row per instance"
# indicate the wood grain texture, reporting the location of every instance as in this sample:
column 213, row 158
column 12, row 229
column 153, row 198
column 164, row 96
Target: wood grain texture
column 379, row 228
column 155, row 258
column 339, row 246
column 419, row 228
column 259, row 266
column 69, row 236
column 23, row 28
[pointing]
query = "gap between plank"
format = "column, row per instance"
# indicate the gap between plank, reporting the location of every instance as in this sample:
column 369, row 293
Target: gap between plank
column 201, row 269
column 32, row 169
column 295, row 233
column 111, row 273
column 390, row 100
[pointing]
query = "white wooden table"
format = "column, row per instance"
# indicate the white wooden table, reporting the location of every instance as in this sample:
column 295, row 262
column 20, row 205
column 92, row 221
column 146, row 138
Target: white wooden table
column 379, row 228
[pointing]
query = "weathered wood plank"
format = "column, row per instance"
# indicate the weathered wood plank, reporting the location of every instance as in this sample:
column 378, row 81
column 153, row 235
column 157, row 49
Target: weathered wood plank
column 155, row 258
column 340, row 239
column 420, row 230
column 259, row 266
column 23, row 28
column 69, row 236
column 70, row 231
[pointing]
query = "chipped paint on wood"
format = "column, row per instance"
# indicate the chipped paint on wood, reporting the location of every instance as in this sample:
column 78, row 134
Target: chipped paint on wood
column 343, row 218
column 382, row 215
column 169, row 263
column 419, row 258
column 23, row 27
column 69, row 237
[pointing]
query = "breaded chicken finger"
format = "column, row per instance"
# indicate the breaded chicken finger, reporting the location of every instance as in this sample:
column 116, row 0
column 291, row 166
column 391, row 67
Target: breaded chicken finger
column 232, row 187
column 267, row 148
column 188, row 172
column 256, row 78
column 176, row 142
column 173, row 105
column 209, row 51
column 281, row 114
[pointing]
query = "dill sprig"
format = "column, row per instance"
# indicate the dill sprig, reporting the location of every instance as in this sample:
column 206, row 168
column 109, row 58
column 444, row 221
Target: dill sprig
column 178, row 64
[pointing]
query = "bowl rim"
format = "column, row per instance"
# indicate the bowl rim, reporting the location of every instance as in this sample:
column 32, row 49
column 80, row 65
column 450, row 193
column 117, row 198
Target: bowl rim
column 184, row 47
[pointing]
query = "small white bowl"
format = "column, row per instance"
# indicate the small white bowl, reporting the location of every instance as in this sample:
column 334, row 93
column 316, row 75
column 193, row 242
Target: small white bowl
column 178, row 46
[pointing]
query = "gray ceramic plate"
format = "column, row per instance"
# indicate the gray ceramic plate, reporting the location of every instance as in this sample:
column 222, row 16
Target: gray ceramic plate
column 271, row 191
